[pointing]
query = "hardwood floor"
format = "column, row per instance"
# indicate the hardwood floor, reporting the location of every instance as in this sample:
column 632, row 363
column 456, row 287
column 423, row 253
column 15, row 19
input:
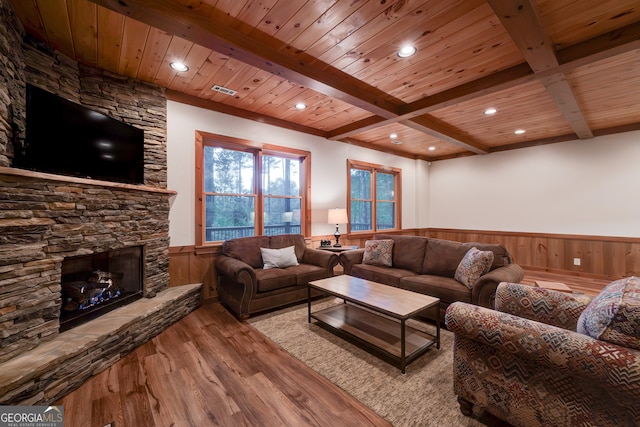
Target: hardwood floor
column 208, row 369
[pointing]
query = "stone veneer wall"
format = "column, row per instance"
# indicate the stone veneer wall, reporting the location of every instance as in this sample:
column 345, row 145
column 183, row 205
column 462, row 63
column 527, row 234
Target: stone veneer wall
column 44, row 218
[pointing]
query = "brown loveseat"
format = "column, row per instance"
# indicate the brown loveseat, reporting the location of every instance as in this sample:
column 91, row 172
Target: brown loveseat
column 428, row 266
column 245, row 287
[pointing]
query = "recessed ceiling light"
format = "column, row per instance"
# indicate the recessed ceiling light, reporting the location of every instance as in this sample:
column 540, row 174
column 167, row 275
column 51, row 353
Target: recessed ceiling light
column 179, row 66
column 519, row 131
column 395, row 141
column 301, row 106
column 432, row 148
column 393, row 136
column 407, row 51
column 490, row 111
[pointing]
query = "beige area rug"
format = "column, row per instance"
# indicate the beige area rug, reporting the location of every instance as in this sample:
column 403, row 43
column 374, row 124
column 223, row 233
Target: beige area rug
column 422, row 397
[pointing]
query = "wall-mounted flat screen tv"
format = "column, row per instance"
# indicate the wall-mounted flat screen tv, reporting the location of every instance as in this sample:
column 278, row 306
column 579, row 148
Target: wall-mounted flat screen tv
column 66, row 138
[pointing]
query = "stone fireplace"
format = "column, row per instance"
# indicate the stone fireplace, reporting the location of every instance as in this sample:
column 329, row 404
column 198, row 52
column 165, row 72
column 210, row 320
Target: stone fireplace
column 94, row 235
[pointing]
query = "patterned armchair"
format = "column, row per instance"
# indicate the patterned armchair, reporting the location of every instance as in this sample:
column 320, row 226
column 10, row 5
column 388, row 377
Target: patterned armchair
column 525, row 364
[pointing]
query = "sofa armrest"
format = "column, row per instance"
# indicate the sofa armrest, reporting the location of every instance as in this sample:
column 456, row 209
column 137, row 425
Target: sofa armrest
column 549, row 347
column 350, row 258
column 484, row 290
column 321, row 258
column 234, row 269
column 542, row 305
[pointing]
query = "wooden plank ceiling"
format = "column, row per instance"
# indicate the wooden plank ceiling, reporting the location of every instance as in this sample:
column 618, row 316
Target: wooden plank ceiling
column 557, row 69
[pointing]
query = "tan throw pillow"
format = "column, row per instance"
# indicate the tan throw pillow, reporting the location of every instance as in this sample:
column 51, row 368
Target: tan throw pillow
column 378, row 252
column 279, row 258
column 474, row 264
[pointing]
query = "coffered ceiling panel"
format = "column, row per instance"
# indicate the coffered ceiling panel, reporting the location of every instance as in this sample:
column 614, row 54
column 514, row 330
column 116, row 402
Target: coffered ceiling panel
column 559, row 69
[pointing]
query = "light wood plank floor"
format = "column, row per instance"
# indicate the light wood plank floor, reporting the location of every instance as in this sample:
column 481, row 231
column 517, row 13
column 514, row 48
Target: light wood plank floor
column 208, row 369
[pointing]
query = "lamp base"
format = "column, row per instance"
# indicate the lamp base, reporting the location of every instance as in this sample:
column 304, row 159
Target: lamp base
column 337, row 236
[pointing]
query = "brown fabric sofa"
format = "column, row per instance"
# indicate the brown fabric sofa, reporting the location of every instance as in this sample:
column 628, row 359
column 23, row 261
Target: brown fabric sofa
column 428, row 266
column 245, row 287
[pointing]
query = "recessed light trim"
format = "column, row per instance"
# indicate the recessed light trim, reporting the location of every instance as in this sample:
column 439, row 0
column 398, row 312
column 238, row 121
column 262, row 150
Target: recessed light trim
column 179, row 66
column 519, row 131
column 396, row 142
column 490, row 111
column 301, row 106
column 407, row 51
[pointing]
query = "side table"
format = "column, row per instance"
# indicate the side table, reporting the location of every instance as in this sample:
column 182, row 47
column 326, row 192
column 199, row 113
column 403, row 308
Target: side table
column 337, row 249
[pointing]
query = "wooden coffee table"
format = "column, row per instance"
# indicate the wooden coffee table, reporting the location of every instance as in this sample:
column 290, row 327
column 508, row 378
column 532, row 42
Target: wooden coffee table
column 374, row 317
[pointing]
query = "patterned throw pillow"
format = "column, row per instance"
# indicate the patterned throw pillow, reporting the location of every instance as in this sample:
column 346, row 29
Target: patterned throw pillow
column 474, row 264
column 614, row 315
column 378, row 252
column 279, row 258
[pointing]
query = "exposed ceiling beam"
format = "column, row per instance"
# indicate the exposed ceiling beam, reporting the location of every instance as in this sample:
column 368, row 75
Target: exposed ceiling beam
column 441, row 130
column 208, row 104
column 266, row 53
column 520, row 19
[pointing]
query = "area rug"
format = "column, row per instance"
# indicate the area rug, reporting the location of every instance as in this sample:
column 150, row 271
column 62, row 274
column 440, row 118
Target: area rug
column 422, row 397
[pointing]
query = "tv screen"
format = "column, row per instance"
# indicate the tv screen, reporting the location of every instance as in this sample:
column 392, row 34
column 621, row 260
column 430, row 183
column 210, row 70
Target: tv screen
column 65, row 138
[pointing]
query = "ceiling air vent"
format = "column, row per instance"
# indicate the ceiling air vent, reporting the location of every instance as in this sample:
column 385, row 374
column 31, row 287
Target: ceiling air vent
column 224, row 90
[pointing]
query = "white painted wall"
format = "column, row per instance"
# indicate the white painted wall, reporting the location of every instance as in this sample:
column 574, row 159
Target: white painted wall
column 578, row 187
column 328, row 168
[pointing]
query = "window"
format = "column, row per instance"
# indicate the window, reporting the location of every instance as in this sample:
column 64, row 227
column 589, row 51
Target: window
column 246, row 189
column 374, row 197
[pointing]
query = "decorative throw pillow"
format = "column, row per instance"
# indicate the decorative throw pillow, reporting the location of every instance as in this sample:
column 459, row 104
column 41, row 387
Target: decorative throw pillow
column 279, row 258
column 378, row 252
column 614, row 314
column 474, row 264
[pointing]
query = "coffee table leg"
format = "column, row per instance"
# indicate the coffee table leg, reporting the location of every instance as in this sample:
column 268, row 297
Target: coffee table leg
column 402, row 347
column 308, row 304
column 438, row 326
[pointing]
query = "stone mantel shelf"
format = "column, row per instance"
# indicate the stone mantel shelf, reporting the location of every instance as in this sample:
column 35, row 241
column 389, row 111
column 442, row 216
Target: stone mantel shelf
column 96, row 182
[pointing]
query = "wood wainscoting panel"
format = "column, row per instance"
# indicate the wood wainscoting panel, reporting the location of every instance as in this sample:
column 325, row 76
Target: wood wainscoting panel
column 601, row 258
column 188, row 262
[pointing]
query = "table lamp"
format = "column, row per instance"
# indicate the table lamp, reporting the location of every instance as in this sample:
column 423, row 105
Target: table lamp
column 337, row 217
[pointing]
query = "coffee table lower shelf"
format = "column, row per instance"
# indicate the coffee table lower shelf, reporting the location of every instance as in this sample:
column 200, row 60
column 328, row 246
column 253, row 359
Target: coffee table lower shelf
column 379, row 335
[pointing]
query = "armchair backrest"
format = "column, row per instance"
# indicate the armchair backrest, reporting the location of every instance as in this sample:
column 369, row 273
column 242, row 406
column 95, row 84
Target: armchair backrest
column 542, row 305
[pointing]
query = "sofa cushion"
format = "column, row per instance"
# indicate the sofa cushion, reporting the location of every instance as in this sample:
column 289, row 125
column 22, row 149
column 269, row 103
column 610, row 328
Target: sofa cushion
column 279, row 258
column 246, row 249
column 384, row 275
column 275, row 278
column 614, row 314
column 305, row 273
column 474, row 264
column 442, row 257
column 447, row 289
column 408, row 251
column 378, row 252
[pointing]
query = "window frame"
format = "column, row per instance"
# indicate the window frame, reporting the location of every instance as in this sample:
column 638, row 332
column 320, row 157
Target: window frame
column 397, row 191
column 258, row 150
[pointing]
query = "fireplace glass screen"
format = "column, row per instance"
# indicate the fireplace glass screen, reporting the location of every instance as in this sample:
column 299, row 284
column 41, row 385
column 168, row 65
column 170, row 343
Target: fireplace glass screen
column 95, row 284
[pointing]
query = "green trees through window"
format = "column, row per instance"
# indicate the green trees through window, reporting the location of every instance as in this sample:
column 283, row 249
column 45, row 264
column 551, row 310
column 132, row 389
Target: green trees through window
column 250, row 191
column 373, row 197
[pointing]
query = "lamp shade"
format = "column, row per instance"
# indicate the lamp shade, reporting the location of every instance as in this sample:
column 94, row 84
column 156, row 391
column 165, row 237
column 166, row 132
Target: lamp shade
column 337, row 216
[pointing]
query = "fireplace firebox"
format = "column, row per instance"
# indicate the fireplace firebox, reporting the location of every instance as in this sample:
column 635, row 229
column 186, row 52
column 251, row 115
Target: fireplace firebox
column 97, row 283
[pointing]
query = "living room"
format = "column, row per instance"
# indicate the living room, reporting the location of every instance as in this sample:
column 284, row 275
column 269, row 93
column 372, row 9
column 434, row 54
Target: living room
column 565, row 207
